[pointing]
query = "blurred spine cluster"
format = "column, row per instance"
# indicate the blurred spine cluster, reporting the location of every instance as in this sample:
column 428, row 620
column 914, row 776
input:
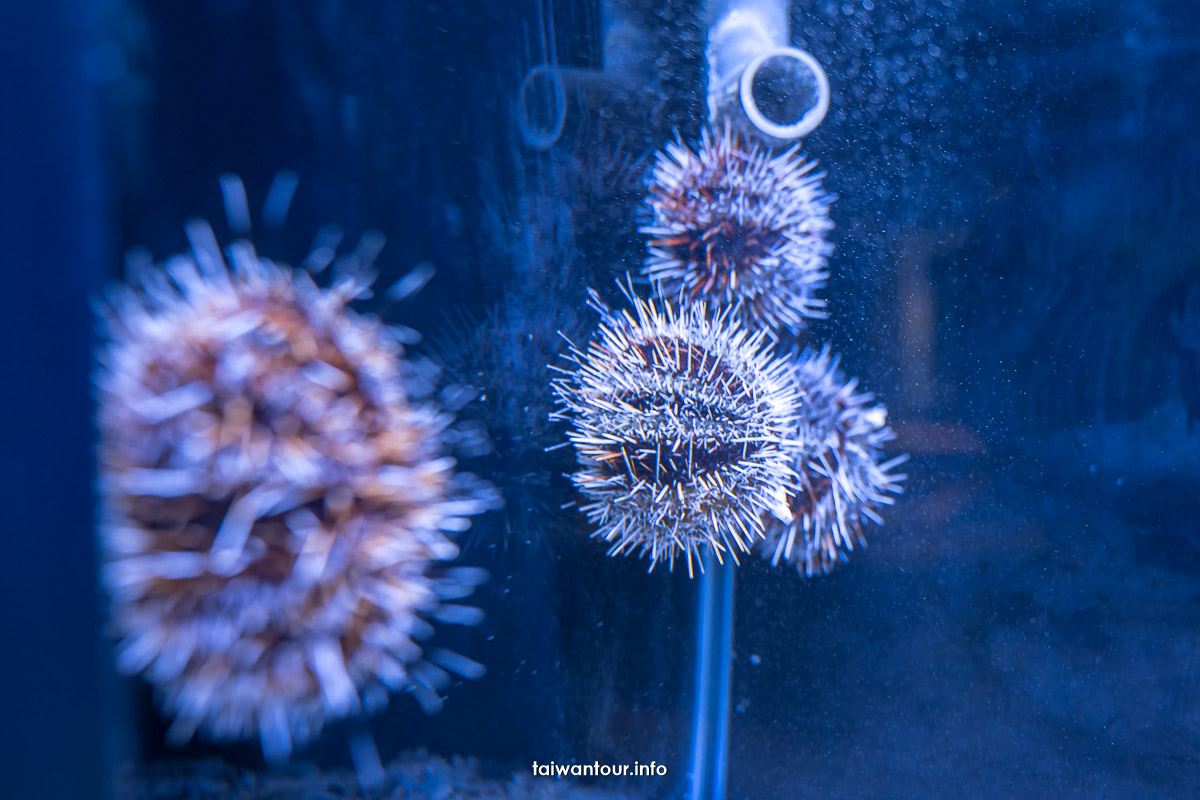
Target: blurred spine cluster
column 279, row 501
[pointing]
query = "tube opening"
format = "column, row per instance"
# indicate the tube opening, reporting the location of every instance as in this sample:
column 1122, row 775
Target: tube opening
column 542, row 107
column 785, row 93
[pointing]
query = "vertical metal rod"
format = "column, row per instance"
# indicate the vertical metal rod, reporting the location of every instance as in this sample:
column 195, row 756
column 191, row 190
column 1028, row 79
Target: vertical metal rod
column 711, row 704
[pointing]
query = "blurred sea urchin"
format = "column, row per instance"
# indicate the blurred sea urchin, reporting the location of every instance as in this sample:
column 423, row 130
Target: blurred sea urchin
column 841, row 479
column 276, row 493
column 680, row 422
column 741, row 229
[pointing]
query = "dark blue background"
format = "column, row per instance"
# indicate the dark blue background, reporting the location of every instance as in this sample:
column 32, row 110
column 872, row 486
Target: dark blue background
column 53, row 223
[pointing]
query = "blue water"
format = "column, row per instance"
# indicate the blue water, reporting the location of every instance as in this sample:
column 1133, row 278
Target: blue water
column 1015, row 244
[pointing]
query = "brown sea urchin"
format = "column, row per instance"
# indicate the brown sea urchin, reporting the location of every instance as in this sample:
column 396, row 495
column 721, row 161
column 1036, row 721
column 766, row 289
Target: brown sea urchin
column 843, row 480
column 680, row 422
column 739, row 228
column 276, row 499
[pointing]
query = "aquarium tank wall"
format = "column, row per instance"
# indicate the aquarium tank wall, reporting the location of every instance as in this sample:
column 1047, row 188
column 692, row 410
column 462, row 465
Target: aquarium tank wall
column 620, row 398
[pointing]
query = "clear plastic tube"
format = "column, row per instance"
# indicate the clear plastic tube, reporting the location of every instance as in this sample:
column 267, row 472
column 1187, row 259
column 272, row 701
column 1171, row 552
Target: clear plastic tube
column 709, row 746
column 756, row 78
column 547, row 91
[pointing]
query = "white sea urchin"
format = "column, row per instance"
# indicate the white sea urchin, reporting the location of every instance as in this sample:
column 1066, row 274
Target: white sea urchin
column 740, row 229
column 837, row 459
column 276, row 498
column 680, row 423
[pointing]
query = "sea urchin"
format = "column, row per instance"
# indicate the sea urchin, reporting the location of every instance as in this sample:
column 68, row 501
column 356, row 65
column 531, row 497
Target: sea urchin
column 740, row 229
column 276, row 498
column 680, row 423
column 837, row 460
